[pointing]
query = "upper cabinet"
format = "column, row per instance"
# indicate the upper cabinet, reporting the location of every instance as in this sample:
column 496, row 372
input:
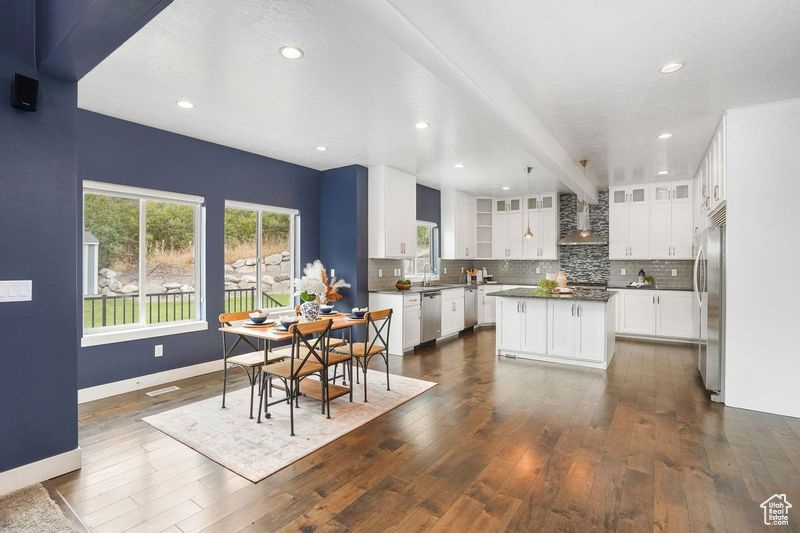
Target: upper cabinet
column 392, row 213
column 629, row 222
column 458, row 225
column 483, row 228
column 541, row 214
column 671, row 215
column 507, row 228
column 711, row 176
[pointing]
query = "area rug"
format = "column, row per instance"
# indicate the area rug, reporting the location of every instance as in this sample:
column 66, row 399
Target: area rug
column 255, row 451
column 31, row 509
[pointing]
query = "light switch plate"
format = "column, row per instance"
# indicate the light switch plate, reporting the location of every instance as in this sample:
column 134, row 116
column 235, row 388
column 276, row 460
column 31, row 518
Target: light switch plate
column 16, row 291
column 159, row 351
column 623, row 271
column 674, row 272
column 538, row 270
column 445, row 270
column 333, row 272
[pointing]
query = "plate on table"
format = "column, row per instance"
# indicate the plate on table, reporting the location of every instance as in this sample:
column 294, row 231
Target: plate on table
column 251, row 324
column 351, row 316
column 280, row 328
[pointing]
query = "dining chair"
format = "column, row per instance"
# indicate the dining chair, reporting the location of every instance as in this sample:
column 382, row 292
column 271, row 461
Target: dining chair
column 308, row 357
column 376, row 340
column 250, row 362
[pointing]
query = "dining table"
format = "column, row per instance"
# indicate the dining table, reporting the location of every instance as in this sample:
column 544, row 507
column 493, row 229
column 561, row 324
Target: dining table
column 269, row 333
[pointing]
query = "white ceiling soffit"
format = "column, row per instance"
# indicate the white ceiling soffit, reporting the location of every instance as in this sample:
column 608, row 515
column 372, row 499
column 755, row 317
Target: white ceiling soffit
column 433, row 35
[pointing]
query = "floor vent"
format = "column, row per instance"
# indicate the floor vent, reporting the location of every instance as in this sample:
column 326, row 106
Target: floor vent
column 159, row 392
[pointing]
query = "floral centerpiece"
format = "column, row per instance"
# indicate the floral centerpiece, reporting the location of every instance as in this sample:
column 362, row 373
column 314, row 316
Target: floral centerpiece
column 315, row 289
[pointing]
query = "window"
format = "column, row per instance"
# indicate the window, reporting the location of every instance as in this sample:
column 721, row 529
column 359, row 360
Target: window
column 142, row 263
column 427, row 257
column 259, row 256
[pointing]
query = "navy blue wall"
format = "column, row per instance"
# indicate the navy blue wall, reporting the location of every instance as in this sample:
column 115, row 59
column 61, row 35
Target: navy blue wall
column 343, row 230
column 38, row 241
column 429, row 204
column 117, row 151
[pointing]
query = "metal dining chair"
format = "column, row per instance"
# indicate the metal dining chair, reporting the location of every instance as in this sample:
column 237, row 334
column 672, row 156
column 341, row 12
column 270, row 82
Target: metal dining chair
column 250, row 362
column 308, row 357
column 376, row 340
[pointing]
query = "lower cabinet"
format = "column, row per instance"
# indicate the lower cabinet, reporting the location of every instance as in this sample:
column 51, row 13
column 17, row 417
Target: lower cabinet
column 487, row 304
column 523, row 325
column 452, row 311
column 658, row 313
column 412, row 321
column 577, row 330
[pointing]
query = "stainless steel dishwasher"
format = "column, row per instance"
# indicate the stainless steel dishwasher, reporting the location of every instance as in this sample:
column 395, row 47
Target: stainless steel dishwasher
column 431, row 316
column 470, row 306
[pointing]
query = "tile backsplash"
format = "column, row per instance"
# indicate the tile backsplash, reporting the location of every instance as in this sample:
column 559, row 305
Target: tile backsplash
column 584, row 264
column 661, row 270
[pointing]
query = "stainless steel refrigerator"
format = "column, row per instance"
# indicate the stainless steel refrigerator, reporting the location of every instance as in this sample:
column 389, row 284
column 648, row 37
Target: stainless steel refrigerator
column 709, row 288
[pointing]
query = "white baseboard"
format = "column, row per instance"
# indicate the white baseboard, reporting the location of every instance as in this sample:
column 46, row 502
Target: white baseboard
column 36, row 472
column 150, row 380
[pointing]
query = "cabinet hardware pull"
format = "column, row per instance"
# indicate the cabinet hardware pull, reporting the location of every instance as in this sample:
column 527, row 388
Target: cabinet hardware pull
column 579, row 310
column 654, row 300
column 658, row 300
column 716, row 192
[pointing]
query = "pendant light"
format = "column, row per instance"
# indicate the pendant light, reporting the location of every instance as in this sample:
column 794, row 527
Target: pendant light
column 528, row 234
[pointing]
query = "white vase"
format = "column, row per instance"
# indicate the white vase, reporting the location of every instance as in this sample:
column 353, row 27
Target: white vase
column 310, row 310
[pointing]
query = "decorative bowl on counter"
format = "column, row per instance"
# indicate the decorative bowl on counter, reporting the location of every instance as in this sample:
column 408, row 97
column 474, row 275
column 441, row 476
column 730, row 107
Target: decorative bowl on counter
column 403, row 284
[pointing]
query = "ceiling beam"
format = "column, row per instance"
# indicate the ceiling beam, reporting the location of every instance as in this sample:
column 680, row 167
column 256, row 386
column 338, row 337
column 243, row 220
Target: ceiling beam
column 429, row 33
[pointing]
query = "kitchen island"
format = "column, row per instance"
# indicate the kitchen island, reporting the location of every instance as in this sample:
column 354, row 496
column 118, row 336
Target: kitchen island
column 576, row 329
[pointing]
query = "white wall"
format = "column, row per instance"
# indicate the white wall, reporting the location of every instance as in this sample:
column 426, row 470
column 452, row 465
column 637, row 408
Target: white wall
column 763, row 258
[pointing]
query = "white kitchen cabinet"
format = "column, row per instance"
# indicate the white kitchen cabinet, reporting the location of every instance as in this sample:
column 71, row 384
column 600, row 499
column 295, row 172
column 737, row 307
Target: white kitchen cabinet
column 487, row 304
column 563, row 328
column 406, row 313
column 412, row 322
column 638, row 312
column 523, row 326
column 458, row 225
column 452, row 311
column 658, row 313
column 577, row 329
column 507, row 229
column 392, row 211
column 629, row 221
column 711, row 177
column 541, row 213
column 676, row 314
column 671, row 221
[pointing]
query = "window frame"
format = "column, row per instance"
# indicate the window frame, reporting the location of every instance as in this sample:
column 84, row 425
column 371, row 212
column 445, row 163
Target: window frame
column 294, row 243
column 434, row 275
column 141, row 329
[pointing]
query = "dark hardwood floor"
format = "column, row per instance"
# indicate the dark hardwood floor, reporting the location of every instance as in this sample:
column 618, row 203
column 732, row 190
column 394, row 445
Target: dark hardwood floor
column 498, row 444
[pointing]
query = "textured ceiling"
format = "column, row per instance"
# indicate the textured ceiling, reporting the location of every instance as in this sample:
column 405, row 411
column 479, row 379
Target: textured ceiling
column 355, row 91
column 587, row 71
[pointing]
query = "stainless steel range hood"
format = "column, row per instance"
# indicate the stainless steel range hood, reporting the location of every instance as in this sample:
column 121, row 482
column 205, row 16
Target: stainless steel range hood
column 583, row 236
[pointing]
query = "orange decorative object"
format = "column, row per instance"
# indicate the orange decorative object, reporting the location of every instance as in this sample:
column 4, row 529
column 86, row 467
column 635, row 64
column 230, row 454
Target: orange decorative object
column 333, row 292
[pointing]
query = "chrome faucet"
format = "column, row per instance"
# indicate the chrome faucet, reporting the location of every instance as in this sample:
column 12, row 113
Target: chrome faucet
column 426, row 270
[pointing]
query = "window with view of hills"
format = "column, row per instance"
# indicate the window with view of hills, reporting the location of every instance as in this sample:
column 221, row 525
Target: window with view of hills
column 141, row 258
column 259, row 256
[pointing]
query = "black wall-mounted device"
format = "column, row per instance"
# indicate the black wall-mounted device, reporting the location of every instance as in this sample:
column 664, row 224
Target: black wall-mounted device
column 24, row 92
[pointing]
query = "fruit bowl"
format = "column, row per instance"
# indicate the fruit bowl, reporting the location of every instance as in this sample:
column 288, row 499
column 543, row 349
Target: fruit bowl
column 403, row 284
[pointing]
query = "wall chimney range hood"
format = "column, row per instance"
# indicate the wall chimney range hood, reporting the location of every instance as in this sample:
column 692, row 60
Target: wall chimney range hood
column 582, row 236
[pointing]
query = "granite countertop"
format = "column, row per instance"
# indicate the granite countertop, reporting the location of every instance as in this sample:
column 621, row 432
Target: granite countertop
column 437, row 287
column 648, row 288
column 584, row 295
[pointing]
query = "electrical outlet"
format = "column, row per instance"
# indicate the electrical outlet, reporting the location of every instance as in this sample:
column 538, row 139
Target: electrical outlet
column 159, row 350
column 538, row 270
column 674, row 272
column 623, row 271
column 445, row 270
column 396, row 271
column 380, row 272
column 462, row 270
column 333, row 272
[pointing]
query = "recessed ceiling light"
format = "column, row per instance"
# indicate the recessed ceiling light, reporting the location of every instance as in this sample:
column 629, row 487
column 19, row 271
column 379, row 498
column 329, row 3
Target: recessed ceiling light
column 459, row 165
column 422, row 125
column 671, row 67
column 184, row 104
column 506, row 188
column 291, row 52
column 663, row 172
column 665, row 136
column 321, row 148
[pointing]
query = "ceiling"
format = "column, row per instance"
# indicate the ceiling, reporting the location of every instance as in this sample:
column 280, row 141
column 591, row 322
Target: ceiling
column 542, row 83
